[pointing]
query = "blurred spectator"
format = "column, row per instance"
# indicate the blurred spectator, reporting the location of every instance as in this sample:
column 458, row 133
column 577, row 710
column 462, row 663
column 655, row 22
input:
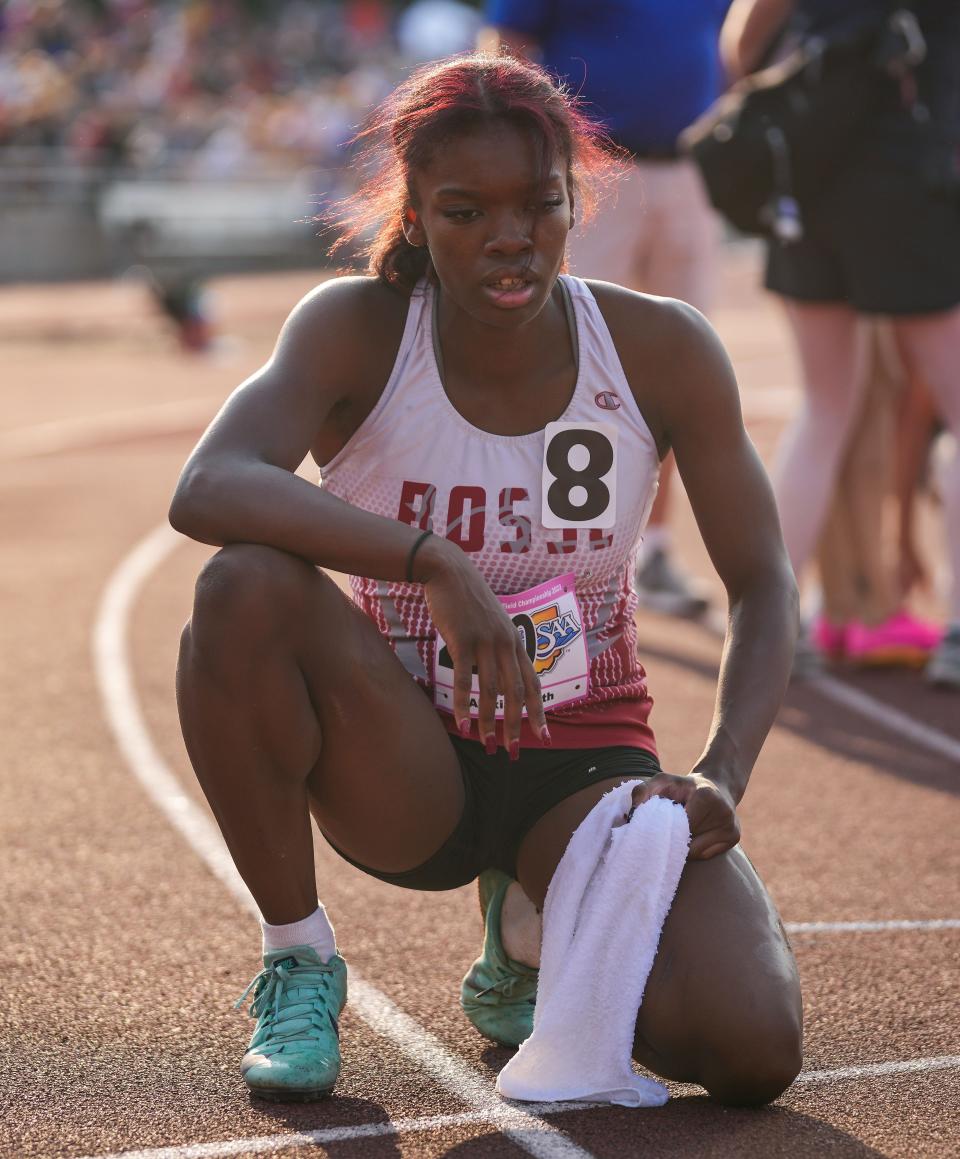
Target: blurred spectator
column 182, row 299
column 646, row 69
column 883, row 238
column 863, row 618
column 195, row 86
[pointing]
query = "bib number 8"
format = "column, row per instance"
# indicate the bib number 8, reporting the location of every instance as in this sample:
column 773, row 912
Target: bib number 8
column 579, row 475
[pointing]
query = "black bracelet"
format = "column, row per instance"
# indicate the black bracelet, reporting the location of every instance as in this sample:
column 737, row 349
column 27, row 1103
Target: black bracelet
column 413, row 551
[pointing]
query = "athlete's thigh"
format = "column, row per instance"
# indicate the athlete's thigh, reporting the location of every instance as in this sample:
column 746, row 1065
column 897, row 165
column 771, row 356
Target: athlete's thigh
column 546, row 841
column 387, row 788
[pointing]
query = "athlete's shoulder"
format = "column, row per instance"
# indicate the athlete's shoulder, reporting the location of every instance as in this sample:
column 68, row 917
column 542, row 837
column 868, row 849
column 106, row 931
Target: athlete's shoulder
column 657, row 336
column 352, row 305
column 348, row 327
column 647, row 322
column 670, row 354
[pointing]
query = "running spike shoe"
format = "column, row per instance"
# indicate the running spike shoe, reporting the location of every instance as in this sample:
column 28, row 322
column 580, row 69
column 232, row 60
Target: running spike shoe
column 294, row 1054
column 828, row 638
column 900, row 641
column 943, row 667
column 498, row 994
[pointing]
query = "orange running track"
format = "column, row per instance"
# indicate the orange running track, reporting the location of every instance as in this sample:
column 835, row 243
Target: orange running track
column 131, row 938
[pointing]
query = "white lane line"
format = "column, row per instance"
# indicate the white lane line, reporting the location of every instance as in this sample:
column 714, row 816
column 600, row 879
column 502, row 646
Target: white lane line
column 122, row 708
column 179, row 416
column 880, row 1069
column 870, row 927
column 267, row 1144
column 115, row 679
column 890, row 718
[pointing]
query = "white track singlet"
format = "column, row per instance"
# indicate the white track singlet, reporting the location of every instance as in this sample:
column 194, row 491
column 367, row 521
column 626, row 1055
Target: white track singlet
column 528, row 509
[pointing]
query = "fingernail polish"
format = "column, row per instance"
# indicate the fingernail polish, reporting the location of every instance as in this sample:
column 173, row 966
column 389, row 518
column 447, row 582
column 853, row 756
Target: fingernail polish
column 545, row 736
column 465, row 727
column 514, row 750
column 490, row 744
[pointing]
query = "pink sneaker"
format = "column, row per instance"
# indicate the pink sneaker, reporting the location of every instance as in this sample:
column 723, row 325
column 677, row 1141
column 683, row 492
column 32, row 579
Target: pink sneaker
column 900, row 640
column 828, row 638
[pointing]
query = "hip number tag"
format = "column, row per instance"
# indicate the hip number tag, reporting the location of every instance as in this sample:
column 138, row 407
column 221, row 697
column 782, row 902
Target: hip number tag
column 550, row 625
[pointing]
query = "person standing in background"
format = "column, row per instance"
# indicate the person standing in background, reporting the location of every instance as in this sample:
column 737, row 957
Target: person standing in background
column 646, row 69
column 881, row 240
column 865, row 577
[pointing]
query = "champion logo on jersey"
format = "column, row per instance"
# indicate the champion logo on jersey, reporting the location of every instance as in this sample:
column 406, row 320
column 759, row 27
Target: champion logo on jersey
column 607, row 400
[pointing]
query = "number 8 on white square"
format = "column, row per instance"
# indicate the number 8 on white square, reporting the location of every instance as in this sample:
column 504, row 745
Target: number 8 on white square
column 579, row 475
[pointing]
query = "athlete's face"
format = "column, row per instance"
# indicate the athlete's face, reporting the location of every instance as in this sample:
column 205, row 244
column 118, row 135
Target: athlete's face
column 496, row 232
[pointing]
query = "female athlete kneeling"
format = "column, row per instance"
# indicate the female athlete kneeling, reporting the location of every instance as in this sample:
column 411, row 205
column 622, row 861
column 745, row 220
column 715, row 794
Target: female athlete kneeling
column 488, row 432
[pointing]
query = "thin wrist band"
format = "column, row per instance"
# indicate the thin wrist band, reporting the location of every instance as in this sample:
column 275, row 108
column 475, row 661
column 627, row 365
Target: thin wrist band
column 413, row 551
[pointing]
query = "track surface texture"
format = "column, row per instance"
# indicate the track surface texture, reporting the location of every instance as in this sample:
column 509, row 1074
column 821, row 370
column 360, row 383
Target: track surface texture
column 127, row 949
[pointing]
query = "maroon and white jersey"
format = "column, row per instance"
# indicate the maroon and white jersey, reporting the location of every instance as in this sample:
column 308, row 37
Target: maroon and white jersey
column 571, row 498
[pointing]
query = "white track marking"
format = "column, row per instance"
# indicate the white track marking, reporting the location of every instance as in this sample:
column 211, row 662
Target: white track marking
column 880, row 1069
column 115, row 679
column 122, row 707
column 890, row 718
column 870, row 927
column 267, row 1144
column 168, row 418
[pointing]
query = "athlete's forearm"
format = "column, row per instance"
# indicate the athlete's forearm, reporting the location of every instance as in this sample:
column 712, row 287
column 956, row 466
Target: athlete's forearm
column 258, row 503
column 754, row 673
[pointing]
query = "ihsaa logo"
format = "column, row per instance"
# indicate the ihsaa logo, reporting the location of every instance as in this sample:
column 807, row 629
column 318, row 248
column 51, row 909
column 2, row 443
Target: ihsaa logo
column 547, row 634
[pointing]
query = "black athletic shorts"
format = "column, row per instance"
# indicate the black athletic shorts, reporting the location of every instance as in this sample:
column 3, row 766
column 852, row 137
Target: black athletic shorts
column 882, row 240
column 503, row 799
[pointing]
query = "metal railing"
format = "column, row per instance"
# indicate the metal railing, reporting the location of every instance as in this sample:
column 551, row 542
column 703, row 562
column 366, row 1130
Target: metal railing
column 118, row 213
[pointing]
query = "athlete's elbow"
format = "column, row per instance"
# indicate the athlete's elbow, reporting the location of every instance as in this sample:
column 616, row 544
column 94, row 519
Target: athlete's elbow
column 788, row 593
column 194, row 503
column 769, row 586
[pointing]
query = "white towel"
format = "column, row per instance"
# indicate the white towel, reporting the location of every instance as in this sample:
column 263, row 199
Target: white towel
column 602, row 919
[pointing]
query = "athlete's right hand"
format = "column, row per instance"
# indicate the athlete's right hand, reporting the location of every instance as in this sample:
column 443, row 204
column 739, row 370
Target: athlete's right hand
column 479, row 634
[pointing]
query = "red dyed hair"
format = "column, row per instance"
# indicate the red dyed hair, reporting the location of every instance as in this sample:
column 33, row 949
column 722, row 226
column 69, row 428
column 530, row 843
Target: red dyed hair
column 439, row 101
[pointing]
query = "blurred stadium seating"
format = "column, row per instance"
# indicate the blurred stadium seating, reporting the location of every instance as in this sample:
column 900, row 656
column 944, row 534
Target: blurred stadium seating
column 208, row 131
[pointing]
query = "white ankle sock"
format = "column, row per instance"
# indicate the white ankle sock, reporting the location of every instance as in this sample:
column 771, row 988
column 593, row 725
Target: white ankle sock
column 314, row 931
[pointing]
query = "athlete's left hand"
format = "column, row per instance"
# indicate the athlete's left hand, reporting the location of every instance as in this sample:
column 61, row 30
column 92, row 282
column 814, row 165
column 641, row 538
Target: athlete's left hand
column 711, row 811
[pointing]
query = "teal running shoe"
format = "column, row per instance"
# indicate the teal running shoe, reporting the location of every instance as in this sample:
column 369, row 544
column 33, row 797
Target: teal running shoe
column 294, row 1054
column 498, row 995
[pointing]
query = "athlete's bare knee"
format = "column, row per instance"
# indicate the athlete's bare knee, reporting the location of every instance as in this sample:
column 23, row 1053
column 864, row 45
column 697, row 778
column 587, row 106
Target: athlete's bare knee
column 246, row 588
column 748, row 1071
column 186, row 641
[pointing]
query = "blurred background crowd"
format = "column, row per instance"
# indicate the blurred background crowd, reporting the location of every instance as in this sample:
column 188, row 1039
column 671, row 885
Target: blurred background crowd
column 206, row 87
